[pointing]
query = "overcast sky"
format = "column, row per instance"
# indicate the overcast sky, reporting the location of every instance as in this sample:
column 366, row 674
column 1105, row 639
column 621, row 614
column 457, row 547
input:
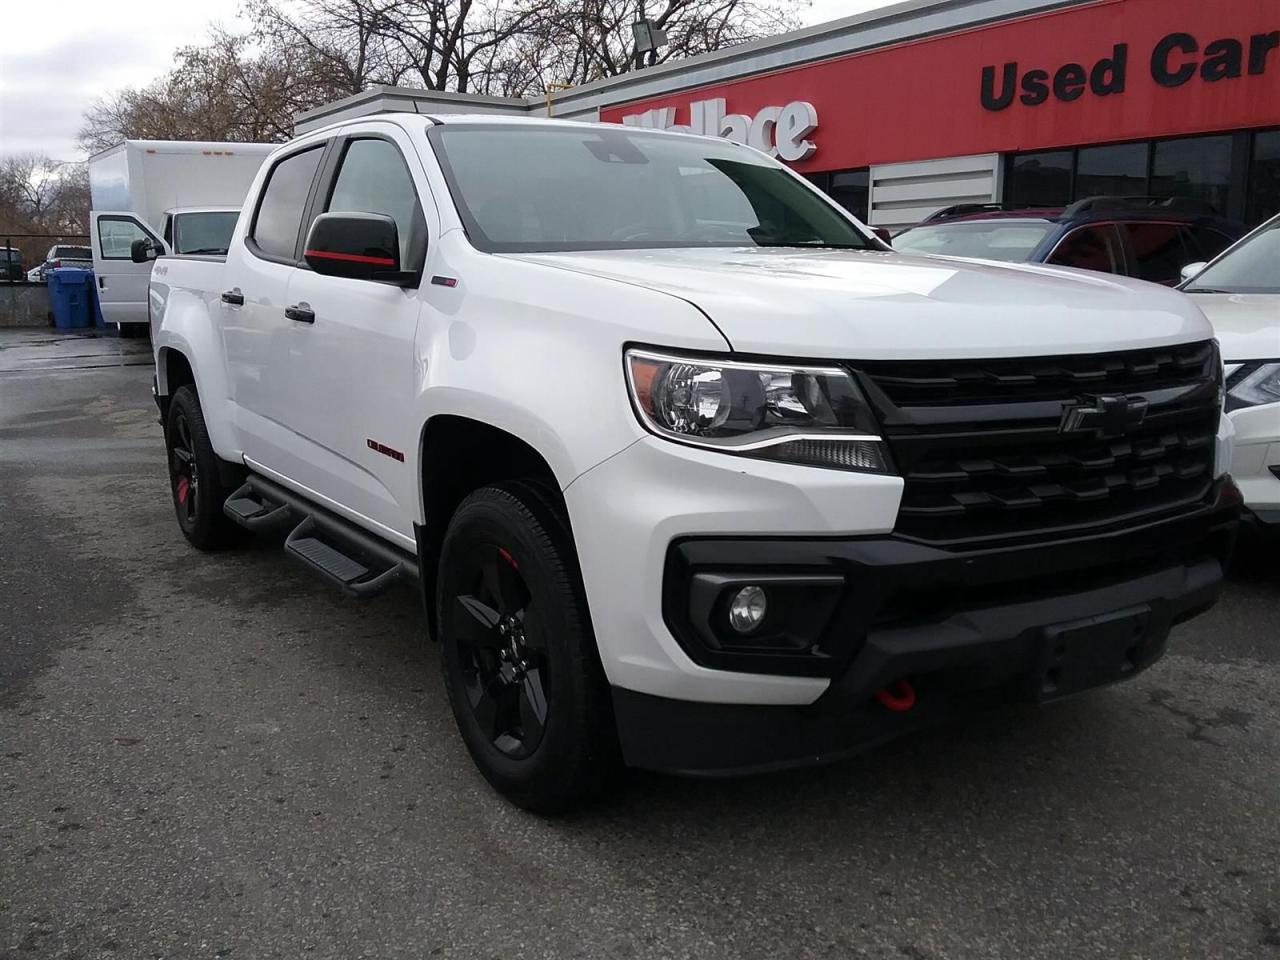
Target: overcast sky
column 50, row 71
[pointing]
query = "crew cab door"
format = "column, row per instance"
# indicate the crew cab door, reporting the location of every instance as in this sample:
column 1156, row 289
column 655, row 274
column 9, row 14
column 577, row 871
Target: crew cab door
column 253, row 302
column 344, row 372
column 122, row 284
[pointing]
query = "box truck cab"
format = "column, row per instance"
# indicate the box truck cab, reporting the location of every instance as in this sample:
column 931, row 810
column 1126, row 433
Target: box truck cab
column 183, row 196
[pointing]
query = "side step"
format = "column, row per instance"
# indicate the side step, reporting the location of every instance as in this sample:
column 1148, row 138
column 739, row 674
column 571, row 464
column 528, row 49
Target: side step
column 332, row 546
column 246, row 508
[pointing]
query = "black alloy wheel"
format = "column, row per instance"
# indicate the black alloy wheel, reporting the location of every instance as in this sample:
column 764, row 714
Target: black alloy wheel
column 184, row 470
column 195, row 475
column 520, row 662
column 504, row 664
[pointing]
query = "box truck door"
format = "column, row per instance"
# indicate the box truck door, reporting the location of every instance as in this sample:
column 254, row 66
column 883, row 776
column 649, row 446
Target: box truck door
column 122, row 284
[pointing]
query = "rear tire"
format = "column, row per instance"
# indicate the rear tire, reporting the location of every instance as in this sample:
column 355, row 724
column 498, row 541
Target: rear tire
column 520, row 661
column 195, row 475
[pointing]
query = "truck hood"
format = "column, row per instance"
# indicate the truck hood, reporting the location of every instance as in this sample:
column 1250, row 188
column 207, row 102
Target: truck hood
column 1246, row 325
column 881, row 305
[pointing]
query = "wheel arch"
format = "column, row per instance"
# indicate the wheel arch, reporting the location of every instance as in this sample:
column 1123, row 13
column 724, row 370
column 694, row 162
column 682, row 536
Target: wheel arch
column 457, row 455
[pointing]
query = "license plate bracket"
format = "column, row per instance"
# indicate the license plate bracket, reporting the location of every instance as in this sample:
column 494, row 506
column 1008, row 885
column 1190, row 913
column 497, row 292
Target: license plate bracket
column 1092, row 652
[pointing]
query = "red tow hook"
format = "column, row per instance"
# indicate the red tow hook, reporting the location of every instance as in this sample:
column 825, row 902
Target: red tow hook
column 900, row 697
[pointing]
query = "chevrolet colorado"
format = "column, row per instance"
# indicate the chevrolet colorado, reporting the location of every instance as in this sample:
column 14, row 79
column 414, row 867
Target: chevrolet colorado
column 694, row 472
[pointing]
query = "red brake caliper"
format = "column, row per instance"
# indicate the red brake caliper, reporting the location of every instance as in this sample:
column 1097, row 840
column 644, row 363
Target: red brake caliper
column 183, row 486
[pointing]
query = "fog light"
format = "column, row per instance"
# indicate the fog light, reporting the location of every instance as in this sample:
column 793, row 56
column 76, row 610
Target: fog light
column 747, row 609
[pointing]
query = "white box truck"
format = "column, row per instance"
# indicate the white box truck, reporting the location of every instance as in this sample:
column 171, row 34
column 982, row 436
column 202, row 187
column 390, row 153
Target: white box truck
column 184, row 196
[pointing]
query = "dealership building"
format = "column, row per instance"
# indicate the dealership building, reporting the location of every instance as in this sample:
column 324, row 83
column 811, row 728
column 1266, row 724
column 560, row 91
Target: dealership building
column 930, row 103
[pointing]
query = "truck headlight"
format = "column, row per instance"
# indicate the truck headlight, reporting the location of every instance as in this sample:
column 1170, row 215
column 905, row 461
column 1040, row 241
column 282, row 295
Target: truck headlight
column 1254, row 384
column 774, row 411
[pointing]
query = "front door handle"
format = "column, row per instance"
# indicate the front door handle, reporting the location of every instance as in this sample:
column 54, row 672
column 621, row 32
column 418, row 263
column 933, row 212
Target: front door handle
column 233, row 297
column 301, row 312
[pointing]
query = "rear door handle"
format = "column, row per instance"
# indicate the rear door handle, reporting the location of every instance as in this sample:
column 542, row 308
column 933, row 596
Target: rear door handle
column 233, row 297
column 301, row 312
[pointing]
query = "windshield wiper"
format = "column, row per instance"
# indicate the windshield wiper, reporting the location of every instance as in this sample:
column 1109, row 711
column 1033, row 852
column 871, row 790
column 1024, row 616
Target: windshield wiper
column 1204, row 290
column 205, row 251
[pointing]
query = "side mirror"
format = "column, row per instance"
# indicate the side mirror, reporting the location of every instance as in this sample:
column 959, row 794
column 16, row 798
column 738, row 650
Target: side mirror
column 884, row 234
column 1190, row 271
column 359, row 246
column 143, row 250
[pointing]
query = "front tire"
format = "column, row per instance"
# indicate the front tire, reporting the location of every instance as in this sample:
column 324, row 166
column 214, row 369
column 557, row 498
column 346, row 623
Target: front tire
column 195, row 477
column 520, row 662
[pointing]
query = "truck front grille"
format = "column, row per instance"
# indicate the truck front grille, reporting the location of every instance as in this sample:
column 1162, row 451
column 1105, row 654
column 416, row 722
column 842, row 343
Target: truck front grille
column 987, row 453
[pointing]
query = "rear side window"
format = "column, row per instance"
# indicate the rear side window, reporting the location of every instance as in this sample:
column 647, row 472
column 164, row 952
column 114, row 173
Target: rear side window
column 373, row 178
column 275, row 227
column 1158, row 252
column 1090, row 248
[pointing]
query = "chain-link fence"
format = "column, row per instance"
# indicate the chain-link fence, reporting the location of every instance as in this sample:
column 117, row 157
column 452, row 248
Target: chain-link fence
column 21, row 253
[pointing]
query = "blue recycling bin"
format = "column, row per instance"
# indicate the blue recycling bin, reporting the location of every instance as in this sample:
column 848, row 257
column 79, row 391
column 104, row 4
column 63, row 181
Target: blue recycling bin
column 69, row 296
column 95, row 306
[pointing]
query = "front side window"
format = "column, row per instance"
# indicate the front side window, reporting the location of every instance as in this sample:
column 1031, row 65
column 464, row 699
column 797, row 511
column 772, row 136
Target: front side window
column 373, row 178
column 1009, row 240
column 204, row 233
column 1090, row 248
column 116, row 236
column 1158, row 252
column 1205, row 243
column 275, row 227
column 1252, row 267
column 525, row 189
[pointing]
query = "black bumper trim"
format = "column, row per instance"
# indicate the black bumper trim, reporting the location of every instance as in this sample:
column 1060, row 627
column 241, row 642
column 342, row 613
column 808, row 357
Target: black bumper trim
column 984, row 657
column 892, row 582
column 997, row 643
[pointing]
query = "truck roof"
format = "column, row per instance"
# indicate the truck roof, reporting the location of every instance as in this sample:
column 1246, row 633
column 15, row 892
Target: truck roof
column 212, row 147
column 211, row 208
column 492, row 119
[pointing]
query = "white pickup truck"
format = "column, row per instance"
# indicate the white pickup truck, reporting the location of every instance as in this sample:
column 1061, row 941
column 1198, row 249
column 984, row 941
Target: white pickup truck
column 694, row 472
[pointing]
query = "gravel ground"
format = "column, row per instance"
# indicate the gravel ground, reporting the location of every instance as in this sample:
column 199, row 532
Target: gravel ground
column 218, row 756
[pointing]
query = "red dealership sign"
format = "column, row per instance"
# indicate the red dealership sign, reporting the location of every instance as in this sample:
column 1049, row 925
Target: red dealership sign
column 1111, row 70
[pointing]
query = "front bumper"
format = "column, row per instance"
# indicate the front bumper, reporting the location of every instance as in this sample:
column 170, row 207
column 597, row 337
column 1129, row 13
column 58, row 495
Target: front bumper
column 1255, row 465
column 1034, row 622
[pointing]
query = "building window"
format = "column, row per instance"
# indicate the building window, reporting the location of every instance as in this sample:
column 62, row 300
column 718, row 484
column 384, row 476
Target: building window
column 1119, row 170
column 852, row 190
column 1041, row 179
column 1264, row 177
column 1197, row 167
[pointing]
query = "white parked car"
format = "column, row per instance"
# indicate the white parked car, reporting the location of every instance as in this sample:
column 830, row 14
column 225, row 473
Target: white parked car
column 1240, row 294
column 695, row 473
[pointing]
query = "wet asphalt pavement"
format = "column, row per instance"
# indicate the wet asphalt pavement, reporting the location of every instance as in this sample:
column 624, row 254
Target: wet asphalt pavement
column 218, row 756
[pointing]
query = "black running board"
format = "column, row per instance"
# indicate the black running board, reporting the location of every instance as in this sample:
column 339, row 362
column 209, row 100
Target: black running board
column 332, row 546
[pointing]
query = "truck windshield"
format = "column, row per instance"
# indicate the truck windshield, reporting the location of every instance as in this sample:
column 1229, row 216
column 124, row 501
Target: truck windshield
column 1010, row 240
column 523, row 189
column 72, row 253
column 1252, row 267
column 204, row 233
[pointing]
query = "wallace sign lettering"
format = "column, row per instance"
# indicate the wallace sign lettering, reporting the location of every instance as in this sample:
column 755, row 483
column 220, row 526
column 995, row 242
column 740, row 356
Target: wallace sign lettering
column 1175, row 60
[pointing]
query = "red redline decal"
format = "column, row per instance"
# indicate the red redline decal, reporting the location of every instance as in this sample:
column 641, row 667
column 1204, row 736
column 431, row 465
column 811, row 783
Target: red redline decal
column 353, row 257
column 383, row 449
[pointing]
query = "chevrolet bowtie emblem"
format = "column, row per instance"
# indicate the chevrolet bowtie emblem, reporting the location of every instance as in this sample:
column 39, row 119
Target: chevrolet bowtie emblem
column 1104, row 416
